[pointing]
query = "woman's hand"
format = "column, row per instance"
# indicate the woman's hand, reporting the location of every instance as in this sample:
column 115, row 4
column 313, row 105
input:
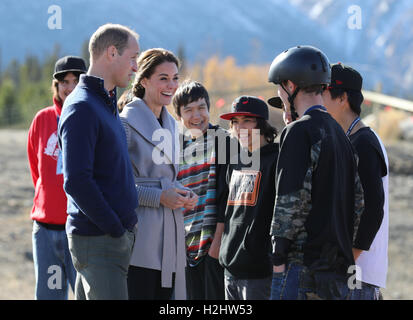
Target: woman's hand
column 173, row 198
column 192, row 200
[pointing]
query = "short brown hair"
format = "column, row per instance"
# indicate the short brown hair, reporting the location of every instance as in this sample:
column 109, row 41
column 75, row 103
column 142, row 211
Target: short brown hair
column 147, row 62
column 110, row 35
column 316, row 88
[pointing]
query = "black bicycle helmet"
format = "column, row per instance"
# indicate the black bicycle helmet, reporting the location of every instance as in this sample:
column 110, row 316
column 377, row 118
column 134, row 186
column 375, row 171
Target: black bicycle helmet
column 304, row 65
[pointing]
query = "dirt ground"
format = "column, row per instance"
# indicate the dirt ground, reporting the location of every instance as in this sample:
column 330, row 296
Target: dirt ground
column 16, row 194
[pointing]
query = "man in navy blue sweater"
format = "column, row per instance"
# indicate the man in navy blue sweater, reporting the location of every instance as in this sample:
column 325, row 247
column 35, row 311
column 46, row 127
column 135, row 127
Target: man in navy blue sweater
column 98, row 177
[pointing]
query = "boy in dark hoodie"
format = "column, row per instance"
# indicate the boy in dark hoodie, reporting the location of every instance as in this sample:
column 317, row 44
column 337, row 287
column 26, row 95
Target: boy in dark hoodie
column 245, row 251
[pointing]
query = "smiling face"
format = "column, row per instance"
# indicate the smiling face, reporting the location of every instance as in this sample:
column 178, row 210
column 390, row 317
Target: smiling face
column 161, row 85
column 195, row 117
column 66, row 85
column 242, row 129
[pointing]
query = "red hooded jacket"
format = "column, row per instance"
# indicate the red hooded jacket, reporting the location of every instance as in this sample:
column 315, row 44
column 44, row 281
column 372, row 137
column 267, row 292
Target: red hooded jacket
column 49, row 204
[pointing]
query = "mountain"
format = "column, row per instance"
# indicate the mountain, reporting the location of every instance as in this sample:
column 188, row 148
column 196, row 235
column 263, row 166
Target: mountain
column 253, row 31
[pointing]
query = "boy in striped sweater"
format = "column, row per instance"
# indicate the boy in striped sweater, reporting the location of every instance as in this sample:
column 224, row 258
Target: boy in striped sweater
column 198, row 170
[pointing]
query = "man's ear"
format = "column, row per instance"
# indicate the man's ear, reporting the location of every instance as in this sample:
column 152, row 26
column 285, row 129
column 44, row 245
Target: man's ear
column 291, row 86
column 343, row 97
column 344, row 101
column 111, row 52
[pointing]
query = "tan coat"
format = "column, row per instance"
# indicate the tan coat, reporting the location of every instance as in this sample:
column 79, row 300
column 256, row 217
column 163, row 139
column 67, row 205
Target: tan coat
column 154, row 154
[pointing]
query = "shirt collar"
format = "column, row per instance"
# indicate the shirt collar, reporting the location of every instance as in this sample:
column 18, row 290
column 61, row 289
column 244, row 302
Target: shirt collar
column 96, row 84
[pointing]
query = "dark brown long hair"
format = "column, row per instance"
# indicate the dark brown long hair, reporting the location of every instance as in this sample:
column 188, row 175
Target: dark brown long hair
column 147, row 62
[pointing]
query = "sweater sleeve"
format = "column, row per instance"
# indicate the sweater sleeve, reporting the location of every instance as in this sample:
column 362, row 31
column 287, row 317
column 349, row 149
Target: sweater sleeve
column 32, row 149
column 125, row 126
column 296, row 161
column 280, row 249
column 149, row 196
column 370, row 170
column 78, row 135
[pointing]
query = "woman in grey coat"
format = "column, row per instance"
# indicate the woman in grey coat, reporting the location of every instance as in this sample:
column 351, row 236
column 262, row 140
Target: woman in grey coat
column 157, row 265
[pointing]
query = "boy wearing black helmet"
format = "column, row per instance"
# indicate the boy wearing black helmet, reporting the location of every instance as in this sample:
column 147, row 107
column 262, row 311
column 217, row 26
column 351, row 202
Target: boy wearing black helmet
column 319, row 197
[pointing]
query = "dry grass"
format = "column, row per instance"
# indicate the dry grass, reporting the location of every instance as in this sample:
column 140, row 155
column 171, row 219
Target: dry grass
column 386, row 123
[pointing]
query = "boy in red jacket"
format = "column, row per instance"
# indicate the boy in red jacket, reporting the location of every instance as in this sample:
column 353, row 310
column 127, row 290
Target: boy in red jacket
column 52, row 261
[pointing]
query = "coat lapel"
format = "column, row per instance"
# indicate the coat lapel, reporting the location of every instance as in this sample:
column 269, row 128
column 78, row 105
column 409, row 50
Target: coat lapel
column 144, row 122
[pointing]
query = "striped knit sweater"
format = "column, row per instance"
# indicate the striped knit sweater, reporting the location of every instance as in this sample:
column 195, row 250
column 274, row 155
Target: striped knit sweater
column 197, row 171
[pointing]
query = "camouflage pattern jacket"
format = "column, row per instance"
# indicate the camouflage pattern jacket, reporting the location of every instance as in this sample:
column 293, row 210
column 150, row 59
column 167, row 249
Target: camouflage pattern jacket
column 319, row 197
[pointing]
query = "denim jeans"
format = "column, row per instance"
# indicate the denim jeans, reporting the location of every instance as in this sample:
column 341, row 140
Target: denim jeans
column 366, row 292
column 102, row 265
column 285, row 285
column 290, row 285
column 53, row 265
column 247, row 289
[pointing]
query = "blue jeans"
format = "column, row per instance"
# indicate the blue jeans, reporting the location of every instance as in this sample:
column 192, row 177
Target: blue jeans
column 285, row 285
column 247, row 289
column 367, row 292
column 53, row 265
column 290, row 285
column 102, row 264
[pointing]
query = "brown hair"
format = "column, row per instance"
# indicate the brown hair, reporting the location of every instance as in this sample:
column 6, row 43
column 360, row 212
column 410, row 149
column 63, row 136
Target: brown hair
column 147, row 62
column 316, row 88
column 124, row 99
column 110, row 35
column 354, row 97
column 55, row 90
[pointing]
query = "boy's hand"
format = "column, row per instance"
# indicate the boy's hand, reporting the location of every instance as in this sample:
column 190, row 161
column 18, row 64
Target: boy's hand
column 279, row 269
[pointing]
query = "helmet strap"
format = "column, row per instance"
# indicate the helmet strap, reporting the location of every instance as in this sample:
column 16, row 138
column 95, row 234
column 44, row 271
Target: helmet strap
column 291, row 98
